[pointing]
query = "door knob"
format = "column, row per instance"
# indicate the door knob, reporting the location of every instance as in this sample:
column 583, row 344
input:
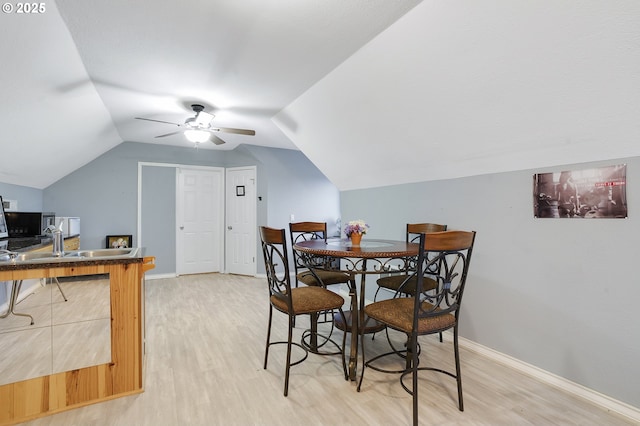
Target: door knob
column 229, row 228
column 181, row 228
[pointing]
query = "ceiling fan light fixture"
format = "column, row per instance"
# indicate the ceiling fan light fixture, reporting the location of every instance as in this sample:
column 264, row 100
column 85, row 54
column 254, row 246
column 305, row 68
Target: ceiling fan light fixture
column 197, row 136
column 198, row 129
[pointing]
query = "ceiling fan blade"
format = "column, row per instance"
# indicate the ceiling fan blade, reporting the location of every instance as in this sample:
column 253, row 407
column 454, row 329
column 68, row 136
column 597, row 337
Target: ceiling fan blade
column 237, row 131
column 168, row 134
column 216, row 140
column 157, row 121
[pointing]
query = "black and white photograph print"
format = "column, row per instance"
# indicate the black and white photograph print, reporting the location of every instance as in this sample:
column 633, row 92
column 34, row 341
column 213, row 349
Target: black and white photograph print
column 581, row 194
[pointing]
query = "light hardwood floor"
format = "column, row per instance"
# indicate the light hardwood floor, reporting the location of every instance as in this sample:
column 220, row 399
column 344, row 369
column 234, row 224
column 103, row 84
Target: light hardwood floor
column 205, row 347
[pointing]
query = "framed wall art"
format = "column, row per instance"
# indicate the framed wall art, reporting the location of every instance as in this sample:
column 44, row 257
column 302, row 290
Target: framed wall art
column 119, row 241
column 581, row 194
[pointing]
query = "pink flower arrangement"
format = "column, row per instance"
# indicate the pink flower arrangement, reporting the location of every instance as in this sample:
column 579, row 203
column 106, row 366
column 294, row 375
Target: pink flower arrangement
column 356, row 227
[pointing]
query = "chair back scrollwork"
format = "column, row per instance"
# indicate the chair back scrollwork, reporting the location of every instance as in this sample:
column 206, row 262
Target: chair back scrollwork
column 443, row 257
column 414, row 231
column 307, row 231
column 274, row 249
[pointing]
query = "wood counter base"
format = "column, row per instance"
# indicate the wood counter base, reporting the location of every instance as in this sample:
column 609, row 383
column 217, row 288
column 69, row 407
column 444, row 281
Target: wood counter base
column 51, row 394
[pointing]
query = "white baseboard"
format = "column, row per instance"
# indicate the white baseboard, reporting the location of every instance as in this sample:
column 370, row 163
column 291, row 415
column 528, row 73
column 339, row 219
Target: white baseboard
column 604, row 401
column 158, row 276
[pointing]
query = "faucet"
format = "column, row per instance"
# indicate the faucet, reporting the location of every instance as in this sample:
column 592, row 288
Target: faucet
column 58, row 241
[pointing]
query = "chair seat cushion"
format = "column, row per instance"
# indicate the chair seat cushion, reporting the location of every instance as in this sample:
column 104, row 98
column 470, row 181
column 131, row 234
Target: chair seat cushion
column 307, row 300
column 393, row 282
column 398, row 313
column 327, row 277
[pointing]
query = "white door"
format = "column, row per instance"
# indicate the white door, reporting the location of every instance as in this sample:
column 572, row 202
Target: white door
column 241, row 221
column 199, row 218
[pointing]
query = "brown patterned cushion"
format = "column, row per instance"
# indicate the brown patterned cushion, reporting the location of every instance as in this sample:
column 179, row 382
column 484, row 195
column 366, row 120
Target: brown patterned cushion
column 327, row 277
column 393, row 282
column 398, row 314
column 309, row 299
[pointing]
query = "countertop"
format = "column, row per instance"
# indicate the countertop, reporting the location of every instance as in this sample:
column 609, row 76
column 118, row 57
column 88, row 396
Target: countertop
column 69, row 262
column 76, row 258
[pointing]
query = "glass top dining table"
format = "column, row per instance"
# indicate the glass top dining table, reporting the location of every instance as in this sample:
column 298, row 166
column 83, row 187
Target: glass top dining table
column 372, row 256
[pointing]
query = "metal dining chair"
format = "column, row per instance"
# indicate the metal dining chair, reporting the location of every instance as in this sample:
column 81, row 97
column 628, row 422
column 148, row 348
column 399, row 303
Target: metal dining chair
column 429, row 310
column 292, row 301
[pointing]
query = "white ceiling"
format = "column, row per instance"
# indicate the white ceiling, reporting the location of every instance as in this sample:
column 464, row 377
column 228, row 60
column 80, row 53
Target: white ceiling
column 413, row 90
column 464, row 87
column 74, row 77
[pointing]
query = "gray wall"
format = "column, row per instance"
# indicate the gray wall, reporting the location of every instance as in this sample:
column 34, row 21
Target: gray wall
column 29, row 199
column 559, row 294
column 293, row 185
column 296, row 187
column 103, row 193
column 159, row 216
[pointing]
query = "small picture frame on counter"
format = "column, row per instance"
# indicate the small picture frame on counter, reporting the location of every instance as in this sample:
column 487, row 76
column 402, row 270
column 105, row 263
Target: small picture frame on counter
column 119, row 241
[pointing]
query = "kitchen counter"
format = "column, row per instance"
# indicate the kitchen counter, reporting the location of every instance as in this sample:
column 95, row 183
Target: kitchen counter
column 69, row 262
column 49, row 394
column 73, row 259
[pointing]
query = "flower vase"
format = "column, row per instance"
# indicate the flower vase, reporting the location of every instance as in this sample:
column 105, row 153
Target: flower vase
column 355, row 239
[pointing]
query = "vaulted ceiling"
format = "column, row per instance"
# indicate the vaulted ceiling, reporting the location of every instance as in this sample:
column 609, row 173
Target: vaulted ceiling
column 413, row 90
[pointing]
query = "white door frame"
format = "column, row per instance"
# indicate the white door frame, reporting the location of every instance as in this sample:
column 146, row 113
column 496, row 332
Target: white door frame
column 176, row 166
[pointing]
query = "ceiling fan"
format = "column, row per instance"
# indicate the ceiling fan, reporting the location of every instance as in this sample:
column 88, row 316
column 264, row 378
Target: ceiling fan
column 199, row 129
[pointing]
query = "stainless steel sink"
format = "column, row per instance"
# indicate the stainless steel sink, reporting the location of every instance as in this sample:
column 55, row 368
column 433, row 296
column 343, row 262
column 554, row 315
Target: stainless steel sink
column 128, row 252
column 70, row 256
column 25, row 257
